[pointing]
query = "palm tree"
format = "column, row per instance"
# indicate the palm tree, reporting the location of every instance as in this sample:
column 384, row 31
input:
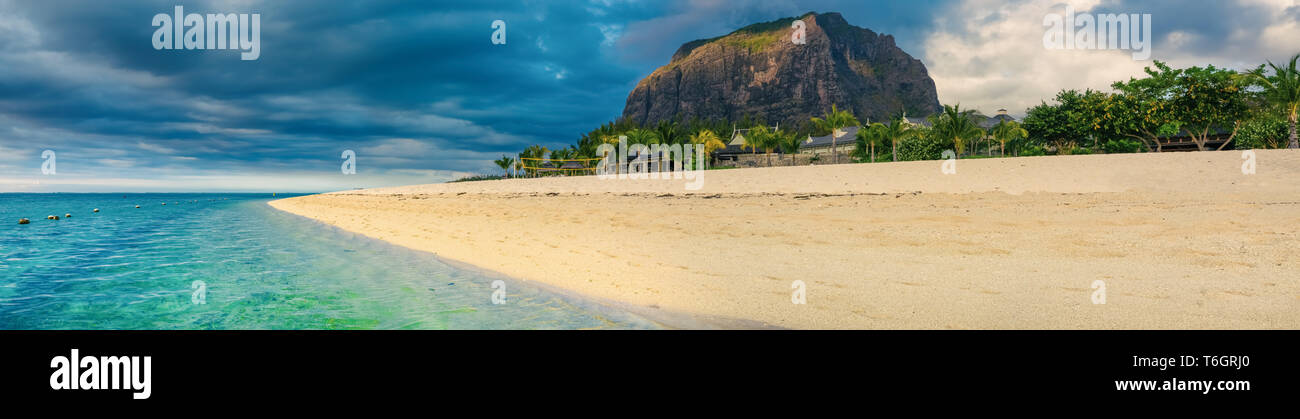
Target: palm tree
column 835, row 121
column 667, row 131
column 1008, row 131
column 897, row 130
column 867, row 139
column 558, row 158
column 504, row 163
column 789, row 143
column 611, row 139
column 772, row 143
column 957, row 126
column 642, row 136
column 710, row 142
column 1283, row 89
column 533, row 154
column 756, row 138
column 764, row 138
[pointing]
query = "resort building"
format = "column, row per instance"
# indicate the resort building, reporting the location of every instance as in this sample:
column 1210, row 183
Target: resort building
column 736, row 147
column 989, row 123
column 822, row 146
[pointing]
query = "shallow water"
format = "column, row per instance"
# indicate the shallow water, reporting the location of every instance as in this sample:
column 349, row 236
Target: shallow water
column 129, row 268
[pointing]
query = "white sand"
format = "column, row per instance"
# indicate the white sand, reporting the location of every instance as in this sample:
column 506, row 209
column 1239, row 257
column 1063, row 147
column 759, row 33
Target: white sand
column 1181, row 240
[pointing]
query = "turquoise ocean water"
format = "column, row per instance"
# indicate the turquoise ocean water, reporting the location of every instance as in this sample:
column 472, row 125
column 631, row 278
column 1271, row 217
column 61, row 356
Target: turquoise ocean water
column 254, row 268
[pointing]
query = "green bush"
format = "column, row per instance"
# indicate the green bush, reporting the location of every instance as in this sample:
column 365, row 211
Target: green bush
column 1122, row 146
column 1262, row 133
column 920, row 147
column 1081, row 151
column 477, row 178
column 1033, row 150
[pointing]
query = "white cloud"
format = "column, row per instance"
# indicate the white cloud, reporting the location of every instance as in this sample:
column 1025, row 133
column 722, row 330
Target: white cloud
column 986, row 54
column 610, row 32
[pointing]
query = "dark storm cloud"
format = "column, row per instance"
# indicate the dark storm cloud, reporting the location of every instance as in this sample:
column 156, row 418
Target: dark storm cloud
column 83, row 75
column 415, row 87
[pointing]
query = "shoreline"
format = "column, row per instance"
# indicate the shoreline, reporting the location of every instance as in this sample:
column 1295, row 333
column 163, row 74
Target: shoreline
column 661, row 318
column 1009, row 243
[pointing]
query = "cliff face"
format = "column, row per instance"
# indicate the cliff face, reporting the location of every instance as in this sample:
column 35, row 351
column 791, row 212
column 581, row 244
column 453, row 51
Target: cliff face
column 759, row 71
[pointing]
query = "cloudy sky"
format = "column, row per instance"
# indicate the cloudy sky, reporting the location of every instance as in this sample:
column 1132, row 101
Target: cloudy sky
column 419, row 92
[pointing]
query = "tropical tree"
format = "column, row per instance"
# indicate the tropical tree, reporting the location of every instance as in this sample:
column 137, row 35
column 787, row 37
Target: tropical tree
column 590, row 141
column 611, row 139
column 532, row 156
column 772, row 143
column 1008, row 131
column 1139, row 116
column 764, row 138
column 1084, row 115
column 1048, row 124
column 1208, row 98
column 895, row 131
column 668, row 132
column 834, row 122
column 642, row 136
column 956, row 125
column 1074, row 118
column 1197, row 100
column 709, row 141
column 1265, row 131
column 1283, row 90
column 504, row 163
column 756, row 137
column 789, row 143
column 867, row 139
column 559, row 157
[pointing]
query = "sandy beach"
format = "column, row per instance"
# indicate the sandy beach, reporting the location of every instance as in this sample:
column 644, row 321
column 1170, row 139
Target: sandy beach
column 1180, row 240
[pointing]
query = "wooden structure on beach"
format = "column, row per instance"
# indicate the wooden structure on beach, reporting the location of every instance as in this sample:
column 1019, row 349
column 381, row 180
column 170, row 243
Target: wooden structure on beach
column 1184, row 142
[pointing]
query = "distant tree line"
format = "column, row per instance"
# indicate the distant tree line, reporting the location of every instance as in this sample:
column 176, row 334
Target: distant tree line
column 1253, row 109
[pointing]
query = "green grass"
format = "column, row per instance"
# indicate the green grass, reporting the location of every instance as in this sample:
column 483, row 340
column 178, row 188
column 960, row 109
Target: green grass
column 753, row 42
column 756, row 37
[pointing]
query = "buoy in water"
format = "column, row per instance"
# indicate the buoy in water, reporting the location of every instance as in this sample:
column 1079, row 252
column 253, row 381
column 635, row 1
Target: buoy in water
column 137, row 206
column 96, row 210
column 52, row 217
column 24, row 221
column 67, row 215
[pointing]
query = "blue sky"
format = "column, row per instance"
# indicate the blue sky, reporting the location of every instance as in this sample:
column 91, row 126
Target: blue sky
column 421, row 95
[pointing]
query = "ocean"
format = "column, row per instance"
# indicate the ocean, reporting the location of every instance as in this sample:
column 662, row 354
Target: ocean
column 230, row 261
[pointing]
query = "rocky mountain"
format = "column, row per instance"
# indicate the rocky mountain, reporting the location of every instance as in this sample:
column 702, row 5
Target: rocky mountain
column 759, row 71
